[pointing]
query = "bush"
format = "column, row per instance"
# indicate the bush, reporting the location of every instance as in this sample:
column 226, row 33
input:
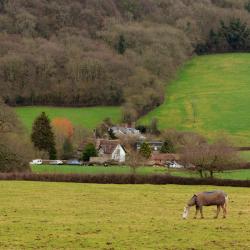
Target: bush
column 89, row 151
column 122, row 179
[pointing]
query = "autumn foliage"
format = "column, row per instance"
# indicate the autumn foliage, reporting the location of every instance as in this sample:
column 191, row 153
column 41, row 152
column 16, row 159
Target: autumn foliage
column 63, row 126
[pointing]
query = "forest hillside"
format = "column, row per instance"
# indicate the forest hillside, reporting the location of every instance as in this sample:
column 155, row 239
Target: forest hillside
column 109, row 52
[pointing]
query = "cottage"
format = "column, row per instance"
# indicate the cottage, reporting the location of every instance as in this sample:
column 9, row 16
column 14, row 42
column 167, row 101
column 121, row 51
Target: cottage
column 109, row 150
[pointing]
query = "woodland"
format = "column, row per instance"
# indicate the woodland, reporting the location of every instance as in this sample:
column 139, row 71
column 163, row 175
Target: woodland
column 109, row 52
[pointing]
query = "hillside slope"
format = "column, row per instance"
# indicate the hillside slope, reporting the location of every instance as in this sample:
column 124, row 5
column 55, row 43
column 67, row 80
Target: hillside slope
column 88, row 118
column 211, row 95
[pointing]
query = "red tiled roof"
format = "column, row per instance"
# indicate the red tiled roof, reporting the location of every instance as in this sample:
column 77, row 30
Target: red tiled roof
column 165, row 157
column 108, row 146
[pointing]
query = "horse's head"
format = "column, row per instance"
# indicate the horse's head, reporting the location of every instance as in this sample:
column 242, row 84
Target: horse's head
column 185, row 212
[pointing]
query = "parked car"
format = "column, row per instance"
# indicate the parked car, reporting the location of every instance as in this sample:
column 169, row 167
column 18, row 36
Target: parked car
column 56, row 162
column 173, row 164
column 36, row 162
column 73, row 162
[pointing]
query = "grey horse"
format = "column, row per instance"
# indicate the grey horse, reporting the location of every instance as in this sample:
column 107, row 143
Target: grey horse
column 212, row 198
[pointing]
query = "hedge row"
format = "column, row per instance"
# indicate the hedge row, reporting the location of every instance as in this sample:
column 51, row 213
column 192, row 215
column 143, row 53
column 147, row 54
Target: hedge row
column 122, row 179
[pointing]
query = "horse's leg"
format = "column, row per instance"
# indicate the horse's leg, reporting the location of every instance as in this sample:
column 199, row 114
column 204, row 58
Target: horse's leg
column 218, row 211
column 196, row 212
column 201, row 211
column 224, row 210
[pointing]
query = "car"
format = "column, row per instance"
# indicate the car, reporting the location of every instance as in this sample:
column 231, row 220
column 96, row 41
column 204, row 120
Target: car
column 73, row 162
column 56, row 162
column 173, row 164
column 36, row 162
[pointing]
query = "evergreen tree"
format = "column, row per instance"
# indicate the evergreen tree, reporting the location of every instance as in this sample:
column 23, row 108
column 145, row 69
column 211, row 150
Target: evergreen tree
column 67, row 149
column 121, row 46
column 145, row 150
column 89, row 151
column 42, row 135
column 167, row 147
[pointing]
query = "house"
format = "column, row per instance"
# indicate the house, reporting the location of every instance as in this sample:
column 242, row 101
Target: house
column 154, row 145
column 162, row 159
column 109, row 150
column 124, row 131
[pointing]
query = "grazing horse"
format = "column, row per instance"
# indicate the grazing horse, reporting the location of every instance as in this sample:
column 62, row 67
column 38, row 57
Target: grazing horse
column 213, row 198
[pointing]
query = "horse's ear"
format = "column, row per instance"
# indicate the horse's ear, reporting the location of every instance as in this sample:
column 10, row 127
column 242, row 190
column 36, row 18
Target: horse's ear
column 195, row 195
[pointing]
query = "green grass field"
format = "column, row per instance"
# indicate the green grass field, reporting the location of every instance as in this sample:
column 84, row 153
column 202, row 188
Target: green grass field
column 95, row 169
column 233, row 174
column 211, row 95
column 37, row 215
column 85, row 117
column 243, row 174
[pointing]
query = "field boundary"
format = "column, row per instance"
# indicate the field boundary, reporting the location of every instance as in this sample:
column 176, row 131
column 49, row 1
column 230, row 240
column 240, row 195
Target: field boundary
column 154, row 179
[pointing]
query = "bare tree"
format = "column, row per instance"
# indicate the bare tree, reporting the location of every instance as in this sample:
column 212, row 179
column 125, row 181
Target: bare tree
column 210, row 158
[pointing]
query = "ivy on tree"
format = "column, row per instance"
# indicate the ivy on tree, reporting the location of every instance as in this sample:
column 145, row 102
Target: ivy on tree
column 42, row 135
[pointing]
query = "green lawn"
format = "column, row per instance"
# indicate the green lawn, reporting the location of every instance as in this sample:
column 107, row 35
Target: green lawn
column 36, row 215
column 86, row 117
column 95, row 169
column 243, row 174
column 211, row 95
column 232, row 174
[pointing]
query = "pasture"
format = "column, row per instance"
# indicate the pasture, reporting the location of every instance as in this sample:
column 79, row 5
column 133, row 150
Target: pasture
column 242, row 174
column 66, row 169
column 86, row 117
column 210, row 95
column 88, row 216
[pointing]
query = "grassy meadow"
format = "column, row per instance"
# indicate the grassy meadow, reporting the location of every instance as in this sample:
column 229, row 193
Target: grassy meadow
column 88, row 216
column 242, row 174
column 210, row 95
column 86, row 117
column 65, row 169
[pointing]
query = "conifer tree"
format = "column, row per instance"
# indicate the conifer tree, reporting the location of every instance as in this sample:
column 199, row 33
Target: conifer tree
column 89, row 151
column 145, row 150
column 121, row 46
column 42, row 135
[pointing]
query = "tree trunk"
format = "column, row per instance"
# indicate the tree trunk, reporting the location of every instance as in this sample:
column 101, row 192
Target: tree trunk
column 211, row 174
column 201, row 173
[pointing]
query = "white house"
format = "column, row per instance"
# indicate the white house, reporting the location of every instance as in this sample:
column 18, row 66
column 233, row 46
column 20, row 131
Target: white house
column 119, row 154
column 109, row 150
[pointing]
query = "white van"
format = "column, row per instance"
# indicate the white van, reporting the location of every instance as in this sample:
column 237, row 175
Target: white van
column 36, row 162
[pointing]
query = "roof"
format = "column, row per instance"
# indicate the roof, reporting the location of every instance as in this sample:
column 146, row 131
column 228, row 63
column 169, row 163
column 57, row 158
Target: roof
column 108, row 146
column 165, row 157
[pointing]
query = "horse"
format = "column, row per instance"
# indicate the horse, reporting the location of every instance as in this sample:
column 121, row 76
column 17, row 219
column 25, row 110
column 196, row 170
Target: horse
column 212, row 198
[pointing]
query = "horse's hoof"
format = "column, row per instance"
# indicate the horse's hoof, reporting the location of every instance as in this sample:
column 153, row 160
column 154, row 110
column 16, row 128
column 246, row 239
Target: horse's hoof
column 202, row 218
column 215, row 217
column 194, row 218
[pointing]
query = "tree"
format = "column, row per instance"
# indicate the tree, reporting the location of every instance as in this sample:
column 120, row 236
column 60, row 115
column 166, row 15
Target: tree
column 68, row 151
column 15, row 150
column 154, row 127
column 42, row 135
column 145, row 150
column 121, row 45
column 168, row 147
column 236, row 34
column 63, row 126
column 247, row 6
column 134, row 160
column 209, row 158
column 89, row 151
